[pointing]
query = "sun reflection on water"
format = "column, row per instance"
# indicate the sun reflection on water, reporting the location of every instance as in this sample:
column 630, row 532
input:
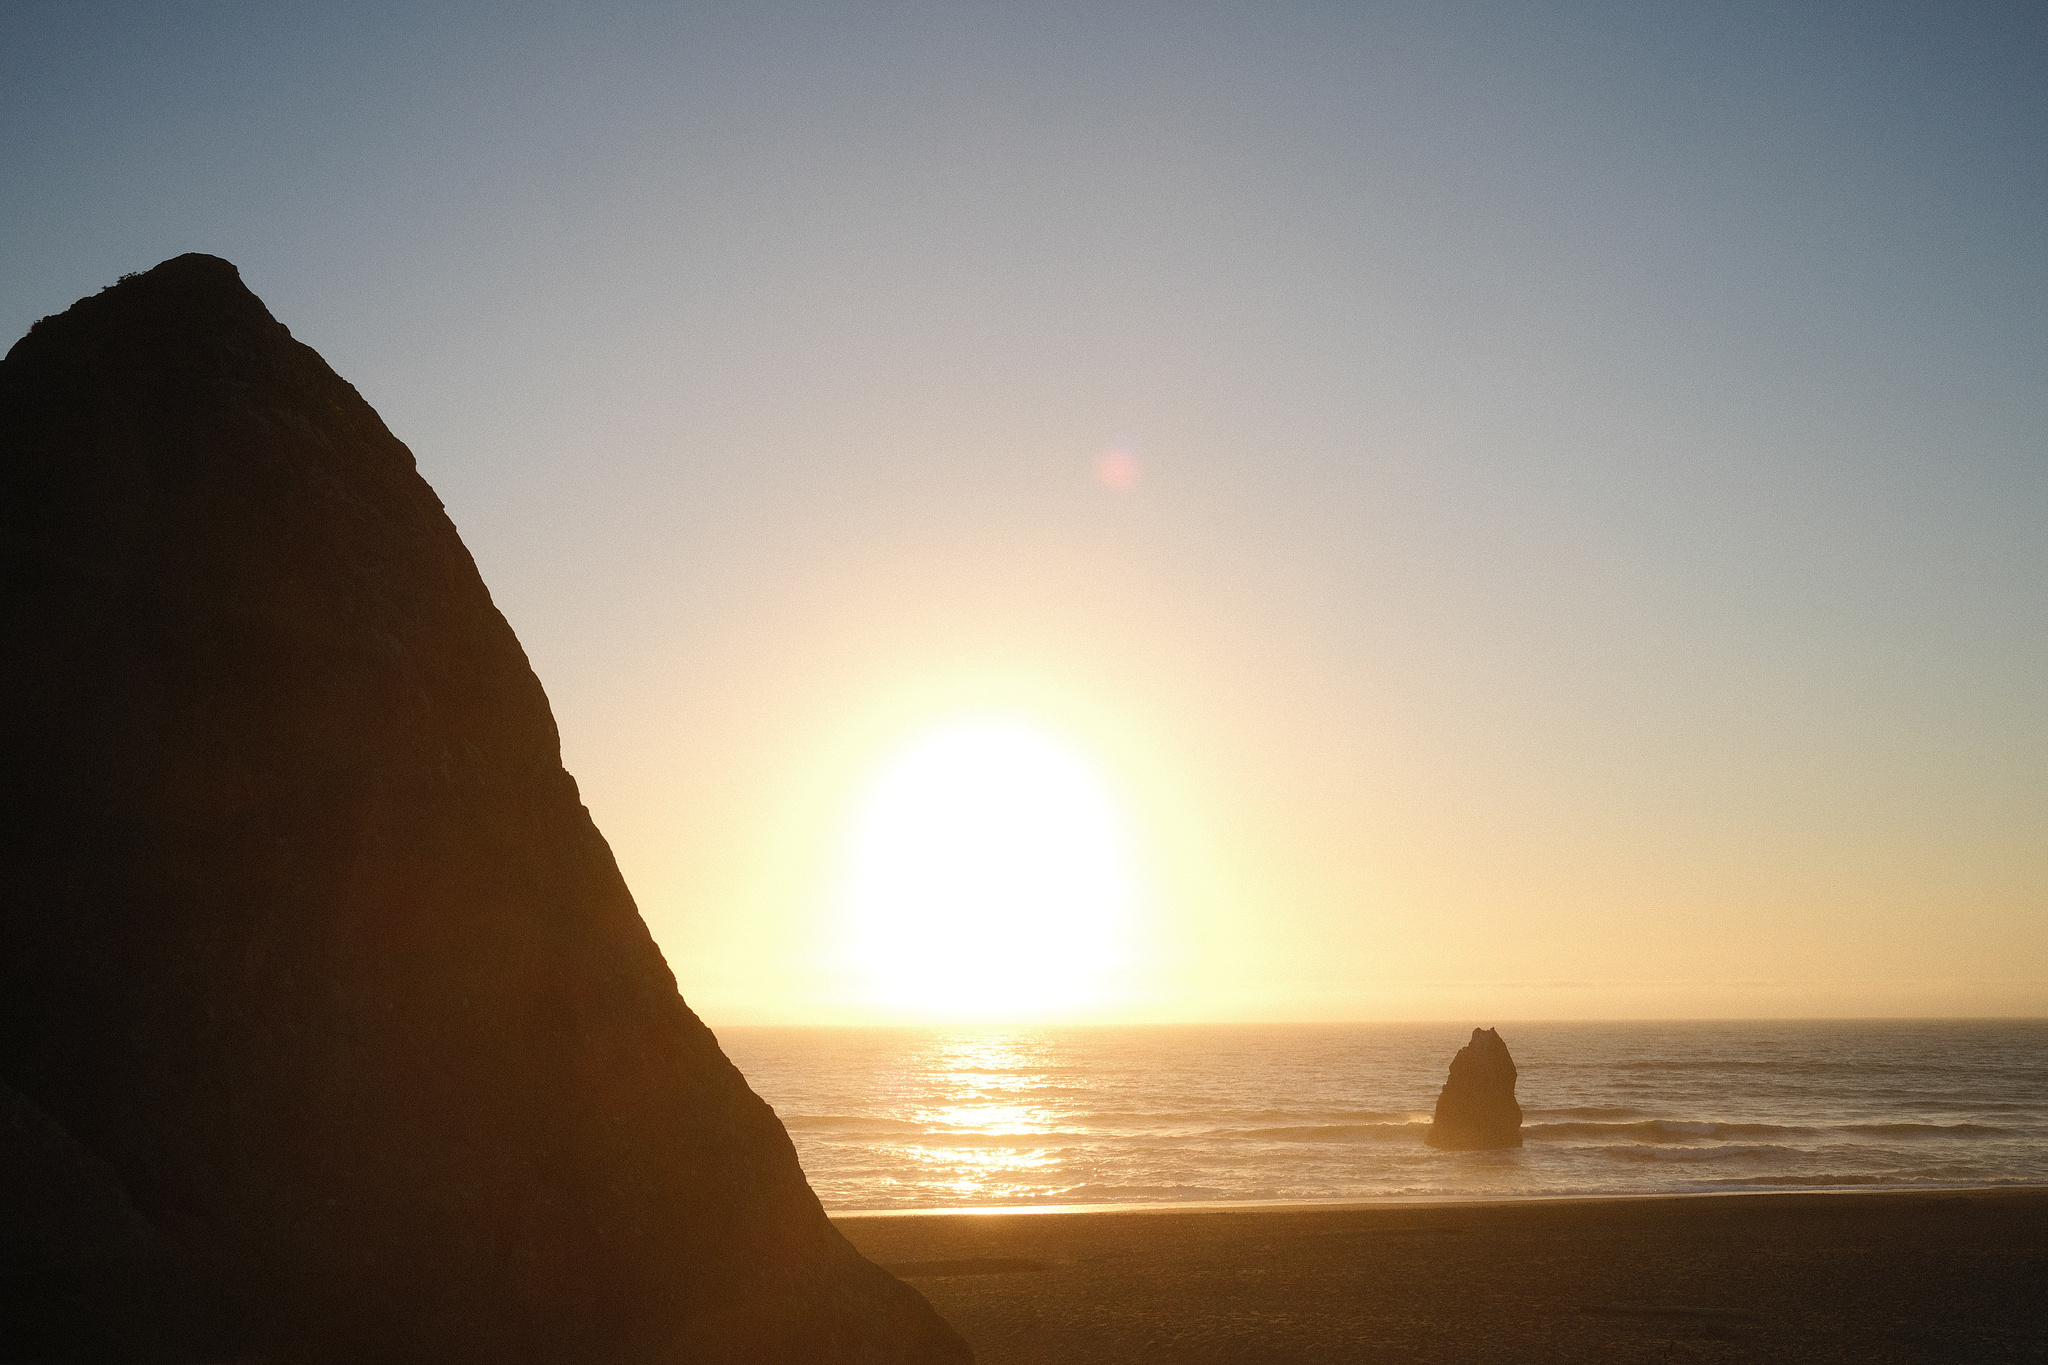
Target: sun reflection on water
column 983, row 1140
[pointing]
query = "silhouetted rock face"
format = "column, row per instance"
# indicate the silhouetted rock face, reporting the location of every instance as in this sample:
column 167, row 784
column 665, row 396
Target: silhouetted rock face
column 310, row 955
column 59, row 1204
column 1477, row 1109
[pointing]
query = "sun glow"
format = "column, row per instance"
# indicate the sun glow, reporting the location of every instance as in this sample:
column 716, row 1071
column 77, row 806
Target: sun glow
column 988, row 874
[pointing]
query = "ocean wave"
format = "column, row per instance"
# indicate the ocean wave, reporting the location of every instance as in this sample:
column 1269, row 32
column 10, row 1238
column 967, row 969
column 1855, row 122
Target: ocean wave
column 1009, row 1070
column 955, row 1139
column 1946, row 1179
column 1118, row 1194
column 1912, row 1130
column 1947, row 1103
column 1329, row 1132
column 884, row 1133
column 1212, row 1120
column 1295, row 1118
column 1663, row 1065
column 1759, row 1151
column 1659, row 1130
column 1678, row 1131
column 851, row 1124
column 1777, row 1182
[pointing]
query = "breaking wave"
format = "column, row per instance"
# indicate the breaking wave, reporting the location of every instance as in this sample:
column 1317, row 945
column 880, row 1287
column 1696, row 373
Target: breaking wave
column 1688, row 1130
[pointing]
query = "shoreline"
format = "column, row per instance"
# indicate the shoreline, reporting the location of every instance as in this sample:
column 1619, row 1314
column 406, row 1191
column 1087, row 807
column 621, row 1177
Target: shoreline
column 1840, row 1274
column 1421, row 1201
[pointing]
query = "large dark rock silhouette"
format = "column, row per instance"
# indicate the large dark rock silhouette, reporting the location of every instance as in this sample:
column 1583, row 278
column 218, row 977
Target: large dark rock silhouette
column 1476, row 1109
column 317, row 983
column 59, row 1204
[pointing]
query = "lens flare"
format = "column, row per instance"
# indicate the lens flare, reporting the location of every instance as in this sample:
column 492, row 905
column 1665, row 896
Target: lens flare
column 1116, row 468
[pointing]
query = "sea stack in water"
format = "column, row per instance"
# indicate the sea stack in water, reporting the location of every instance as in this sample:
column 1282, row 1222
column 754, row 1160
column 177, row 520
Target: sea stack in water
column 318, row 988
column 1476, row 1109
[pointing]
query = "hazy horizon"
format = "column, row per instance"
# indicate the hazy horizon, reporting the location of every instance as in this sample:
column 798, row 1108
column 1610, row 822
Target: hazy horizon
column 1140, row 513
column 1460, row 1021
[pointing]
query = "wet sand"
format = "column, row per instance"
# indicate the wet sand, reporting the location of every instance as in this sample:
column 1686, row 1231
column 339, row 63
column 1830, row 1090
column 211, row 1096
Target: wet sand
column 1793, row 1277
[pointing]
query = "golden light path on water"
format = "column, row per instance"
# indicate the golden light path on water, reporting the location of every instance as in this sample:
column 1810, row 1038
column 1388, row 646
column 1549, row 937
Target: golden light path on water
column 970, row 1068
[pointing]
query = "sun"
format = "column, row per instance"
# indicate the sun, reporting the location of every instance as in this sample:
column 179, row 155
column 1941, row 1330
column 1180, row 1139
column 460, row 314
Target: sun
column 988, row 874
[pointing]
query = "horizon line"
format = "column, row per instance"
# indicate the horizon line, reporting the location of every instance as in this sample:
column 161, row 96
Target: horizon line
column 1354, row 1023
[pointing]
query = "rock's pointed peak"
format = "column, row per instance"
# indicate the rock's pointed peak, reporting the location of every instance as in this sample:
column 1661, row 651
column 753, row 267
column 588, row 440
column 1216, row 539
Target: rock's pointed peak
column 1487, row 1052
column 194, row 279
column 183, row 301
column 183, row 342
column 193, row 269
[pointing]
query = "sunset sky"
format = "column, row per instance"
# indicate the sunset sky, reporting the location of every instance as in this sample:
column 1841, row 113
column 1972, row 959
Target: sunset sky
column 1428, row 512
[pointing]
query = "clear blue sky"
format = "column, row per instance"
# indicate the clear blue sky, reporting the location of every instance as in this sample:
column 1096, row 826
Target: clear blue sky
column 1591, row 550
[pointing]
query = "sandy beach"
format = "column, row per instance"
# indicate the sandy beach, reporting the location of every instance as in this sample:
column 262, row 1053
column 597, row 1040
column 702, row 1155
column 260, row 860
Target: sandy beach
column 1808, row 1277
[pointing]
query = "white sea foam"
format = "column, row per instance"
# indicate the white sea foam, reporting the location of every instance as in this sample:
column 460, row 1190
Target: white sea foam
column 902, row 1118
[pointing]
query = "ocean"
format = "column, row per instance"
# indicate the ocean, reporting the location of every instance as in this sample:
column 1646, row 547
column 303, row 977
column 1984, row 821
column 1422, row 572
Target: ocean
column 897, row 1119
